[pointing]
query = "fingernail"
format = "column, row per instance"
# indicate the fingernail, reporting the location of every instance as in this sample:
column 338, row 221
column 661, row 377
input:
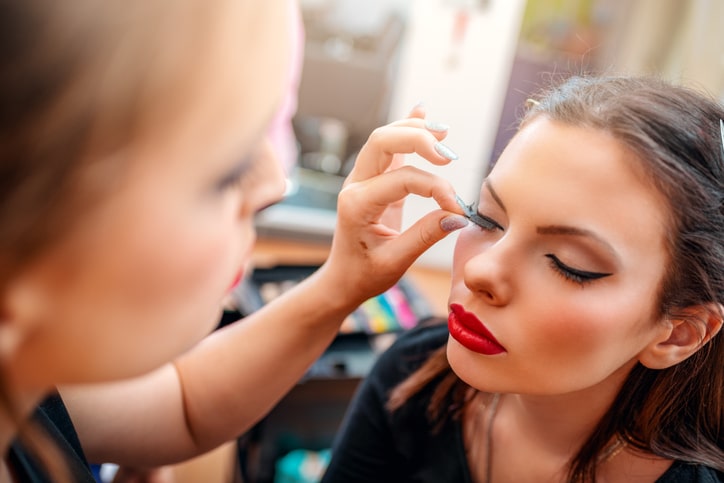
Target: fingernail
column 436, row 126
column 445, row 152
column 453, row 222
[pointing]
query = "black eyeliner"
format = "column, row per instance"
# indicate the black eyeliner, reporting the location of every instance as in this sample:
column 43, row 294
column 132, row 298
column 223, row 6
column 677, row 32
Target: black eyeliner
column 574, row 273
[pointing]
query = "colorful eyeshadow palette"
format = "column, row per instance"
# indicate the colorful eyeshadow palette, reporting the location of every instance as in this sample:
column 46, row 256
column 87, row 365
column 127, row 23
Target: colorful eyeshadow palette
column 399, row 308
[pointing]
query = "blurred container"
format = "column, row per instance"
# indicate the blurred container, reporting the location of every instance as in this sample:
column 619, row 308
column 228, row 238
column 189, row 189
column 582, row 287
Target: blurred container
column 302, row 466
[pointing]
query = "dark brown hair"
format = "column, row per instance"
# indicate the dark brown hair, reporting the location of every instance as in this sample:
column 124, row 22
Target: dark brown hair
column 674, row 131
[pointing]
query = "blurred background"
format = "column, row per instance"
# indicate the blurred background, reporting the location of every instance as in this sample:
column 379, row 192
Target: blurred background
column 472, row 63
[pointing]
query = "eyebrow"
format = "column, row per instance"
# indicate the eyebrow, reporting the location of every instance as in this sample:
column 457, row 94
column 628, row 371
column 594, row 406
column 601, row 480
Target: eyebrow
column 563, row 230
column 560, row 230
column 495, row 196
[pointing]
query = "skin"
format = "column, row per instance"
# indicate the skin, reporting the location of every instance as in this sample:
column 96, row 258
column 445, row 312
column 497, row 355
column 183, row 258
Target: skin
column 114, row 312
column 172, row 216
column 570, row 343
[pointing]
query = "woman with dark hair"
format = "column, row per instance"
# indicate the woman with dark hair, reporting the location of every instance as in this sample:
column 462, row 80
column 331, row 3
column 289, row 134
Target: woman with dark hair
column 583, row 341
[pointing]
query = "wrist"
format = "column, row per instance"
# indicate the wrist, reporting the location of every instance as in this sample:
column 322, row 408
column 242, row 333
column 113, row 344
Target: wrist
column 337, row 291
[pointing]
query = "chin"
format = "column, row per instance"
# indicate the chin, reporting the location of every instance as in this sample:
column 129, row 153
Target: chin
column 466, row 366
column 459, row 359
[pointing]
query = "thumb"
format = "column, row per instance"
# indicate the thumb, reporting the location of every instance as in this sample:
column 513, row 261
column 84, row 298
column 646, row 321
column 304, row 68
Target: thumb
column 427, row 231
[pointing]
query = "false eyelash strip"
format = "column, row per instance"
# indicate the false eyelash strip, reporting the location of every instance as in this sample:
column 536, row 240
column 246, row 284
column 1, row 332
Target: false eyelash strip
column 473, row 216
column 467, row 209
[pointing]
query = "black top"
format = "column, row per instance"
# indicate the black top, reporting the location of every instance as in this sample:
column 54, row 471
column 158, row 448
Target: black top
column 375, row 446
column 52, row 417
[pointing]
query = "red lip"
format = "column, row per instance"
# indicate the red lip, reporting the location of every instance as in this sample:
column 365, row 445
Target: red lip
column 236, row 280
column 470, row 332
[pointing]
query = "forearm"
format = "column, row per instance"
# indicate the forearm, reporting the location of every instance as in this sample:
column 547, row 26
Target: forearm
column 214, row 392
column 235, row 376
column 219, row 388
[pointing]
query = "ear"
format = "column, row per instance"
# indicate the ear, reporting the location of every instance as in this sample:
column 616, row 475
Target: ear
column 683, row 335
column 19, row 308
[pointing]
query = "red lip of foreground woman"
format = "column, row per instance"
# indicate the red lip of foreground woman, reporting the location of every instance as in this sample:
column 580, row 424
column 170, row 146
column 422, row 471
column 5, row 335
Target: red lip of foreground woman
column 470, row 332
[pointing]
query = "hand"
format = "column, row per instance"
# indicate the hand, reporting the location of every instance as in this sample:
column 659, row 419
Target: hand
column 369, row 253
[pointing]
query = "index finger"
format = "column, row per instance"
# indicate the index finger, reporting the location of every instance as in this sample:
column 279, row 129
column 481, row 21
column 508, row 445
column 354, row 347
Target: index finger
column 376, row 155
column 370, row 198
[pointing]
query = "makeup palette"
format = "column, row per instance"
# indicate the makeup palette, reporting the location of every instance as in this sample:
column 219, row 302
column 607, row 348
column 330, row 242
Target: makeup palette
column 399, row 308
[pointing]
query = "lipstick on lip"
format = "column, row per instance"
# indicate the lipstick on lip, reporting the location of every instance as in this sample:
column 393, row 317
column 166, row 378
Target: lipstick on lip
column 236, row 280
column 470, row 332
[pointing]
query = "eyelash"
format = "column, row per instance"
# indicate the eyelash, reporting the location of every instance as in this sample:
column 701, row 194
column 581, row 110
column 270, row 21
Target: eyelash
column 487, row 224
column 237, row 178
column 230, row 182
column 581, row 277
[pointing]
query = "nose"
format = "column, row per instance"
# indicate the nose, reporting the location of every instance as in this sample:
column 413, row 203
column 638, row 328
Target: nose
column 268, row 184
column 489, row 273
column 272, row 169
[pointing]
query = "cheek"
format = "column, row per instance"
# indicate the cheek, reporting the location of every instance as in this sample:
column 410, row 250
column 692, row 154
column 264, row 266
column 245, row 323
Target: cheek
column 187, row 267
column 147, row 296
column 601, row 333
column 184, row 263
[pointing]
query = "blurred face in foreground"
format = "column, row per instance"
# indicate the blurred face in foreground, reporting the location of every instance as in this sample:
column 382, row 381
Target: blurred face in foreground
column 142, row 277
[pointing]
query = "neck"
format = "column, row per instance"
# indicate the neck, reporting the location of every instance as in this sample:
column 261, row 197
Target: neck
column 530, row 435
column 560, row 424
column 557, row 425
column 522, row 438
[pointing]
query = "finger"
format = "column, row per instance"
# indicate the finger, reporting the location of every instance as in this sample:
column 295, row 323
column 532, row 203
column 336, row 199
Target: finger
column 370, row 198
column 376, row 155
column 438, row 129
column 423, row 234
column 418, row 111
column 398, row 161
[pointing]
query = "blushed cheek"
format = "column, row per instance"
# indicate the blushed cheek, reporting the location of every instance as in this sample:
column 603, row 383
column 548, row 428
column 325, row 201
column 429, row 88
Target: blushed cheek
column 588, row 336
column 197, row 269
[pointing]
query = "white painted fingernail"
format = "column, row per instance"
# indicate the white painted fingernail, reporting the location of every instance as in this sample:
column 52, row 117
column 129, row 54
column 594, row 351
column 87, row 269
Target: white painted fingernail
column 436, row 126
column 445, row 152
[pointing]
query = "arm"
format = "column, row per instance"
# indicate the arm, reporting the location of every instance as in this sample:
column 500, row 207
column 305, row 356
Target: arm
column 228, row 381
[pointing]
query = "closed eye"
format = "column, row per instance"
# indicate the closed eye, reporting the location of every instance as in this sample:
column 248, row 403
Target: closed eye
column 235, row 176
column 576, row 275
column 483, row 221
